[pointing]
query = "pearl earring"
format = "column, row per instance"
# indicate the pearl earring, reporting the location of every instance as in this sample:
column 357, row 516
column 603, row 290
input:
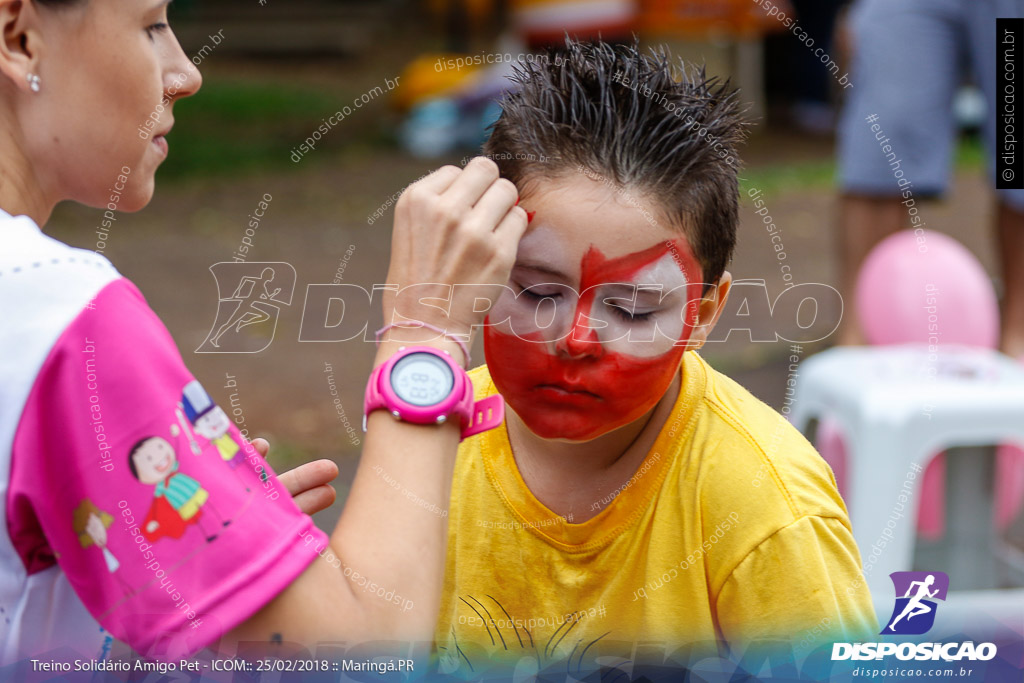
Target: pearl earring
column 34, row 82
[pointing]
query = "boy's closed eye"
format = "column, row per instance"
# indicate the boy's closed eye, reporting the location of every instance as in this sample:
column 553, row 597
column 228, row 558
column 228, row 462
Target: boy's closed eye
column 627, row 307
column 633, row 303
column 630, row 315
column 538, row 292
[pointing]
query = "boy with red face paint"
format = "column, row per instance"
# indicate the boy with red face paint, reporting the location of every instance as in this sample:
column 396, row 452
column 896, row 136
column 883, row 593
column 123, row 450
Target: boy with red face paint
column 634, row 494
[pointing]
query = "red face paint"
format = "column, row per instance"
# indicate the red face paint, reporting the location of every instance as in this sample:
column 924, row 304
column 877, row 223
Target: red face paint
column 574, row 388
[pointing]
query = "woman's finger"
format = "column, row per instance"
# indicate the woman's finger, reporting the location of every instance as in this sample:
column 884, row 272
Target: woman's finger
column 473, row 183
column 440, row 180
column 495, row 204
column 512, row 227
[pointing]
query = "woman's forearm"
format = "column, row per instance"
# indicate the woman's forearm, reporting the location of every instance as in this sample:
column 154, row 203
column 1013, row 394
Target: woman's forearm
column 393, row 534
column 384, row 573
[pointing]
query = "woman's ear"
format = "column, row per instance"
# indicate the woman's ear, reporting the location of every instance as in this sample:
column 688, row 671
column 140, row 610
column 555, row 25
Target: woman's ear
column 20, row 42
column 710, row 310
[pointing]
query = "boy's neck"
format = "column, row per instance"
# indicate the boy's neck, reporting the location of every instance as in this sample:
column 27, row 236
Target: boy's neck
column 569, row 477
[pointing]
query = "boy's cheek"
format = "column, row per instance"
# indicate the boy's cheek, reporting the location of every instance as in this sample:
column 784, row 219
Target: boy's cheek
column 529, row 318
column 628, row 386
column 515, row 362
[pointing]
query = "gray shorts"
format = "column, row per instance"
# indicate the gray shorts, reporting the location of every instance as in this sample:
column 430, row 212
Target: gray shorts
column 910, row 56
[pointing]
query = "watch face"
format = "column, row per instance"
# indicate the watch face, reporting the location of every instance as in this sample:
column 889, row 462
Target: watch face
column 422, row 379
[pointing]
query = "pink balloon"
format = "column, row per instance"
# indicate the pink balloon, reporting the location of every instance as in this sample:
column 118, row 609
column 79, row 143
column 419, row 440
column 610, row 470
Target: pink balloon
column 914, row 286
column 920, row 289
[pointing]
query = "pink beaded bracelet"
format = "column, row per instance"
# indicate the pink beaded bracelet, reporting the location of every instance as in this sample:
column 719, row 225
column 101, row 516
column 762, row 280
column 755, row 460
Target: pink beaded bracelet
column 432, row 328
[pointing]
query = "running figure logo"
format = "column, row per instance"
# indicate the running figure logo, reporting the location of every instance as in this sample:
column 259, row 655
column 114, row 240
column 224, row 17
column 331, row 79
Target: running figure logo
column 916, row 592
column 258, row 290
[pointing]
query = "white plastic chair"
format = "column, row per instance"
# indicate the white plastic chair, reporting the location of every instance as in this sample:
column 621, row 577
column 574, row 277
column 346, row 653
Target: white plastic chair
column 898, row 406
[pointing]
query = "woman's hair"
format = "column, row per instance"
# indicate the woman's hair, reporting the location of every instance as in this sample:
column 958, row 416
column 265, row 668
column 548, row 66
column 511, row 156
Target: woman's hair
column 650, row 124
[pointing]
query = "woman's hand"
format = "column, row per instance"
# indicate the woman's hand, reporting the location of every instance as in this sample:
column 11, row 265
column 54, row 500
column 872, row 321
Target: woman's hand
column 454, row 227
column 308, row 484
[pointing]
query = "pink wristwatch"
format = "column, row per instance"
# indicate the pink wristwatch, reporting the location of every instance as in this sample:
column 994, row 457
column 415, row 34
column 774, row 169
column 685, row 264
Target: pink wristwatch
column 423, row 385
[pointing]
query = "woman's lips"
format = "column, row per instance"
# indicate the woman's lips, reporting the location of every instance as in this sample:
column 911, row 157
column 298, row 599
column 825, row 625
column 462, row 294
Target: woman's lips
column 160, row 142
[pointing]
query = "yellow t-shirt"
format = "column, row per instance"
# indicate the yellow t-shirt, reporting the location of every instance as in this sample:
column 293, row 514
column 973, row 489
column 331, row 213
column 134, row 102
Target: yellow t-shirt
column 731, row 529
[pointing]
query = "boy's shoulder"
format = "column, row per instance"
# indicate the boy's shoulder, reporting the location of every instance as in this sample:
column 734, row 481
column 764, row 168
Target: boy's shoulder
column 749, row 459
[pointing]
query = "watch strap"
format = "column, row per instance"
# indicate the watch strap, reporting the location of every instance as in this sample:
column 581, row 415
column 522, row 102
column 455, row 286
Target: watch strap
column 486, row 414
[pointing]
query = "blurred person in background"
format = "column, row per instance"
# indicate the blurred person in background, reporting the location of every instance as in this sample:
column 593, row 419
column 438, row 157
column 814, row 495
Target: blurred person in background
column 798, row 78
column 908, row 60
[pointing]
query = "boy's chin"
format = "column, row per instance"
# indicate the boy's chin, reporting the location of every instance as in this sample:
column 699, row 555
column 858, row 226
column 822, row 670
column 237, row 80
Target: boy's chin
column 569, row 428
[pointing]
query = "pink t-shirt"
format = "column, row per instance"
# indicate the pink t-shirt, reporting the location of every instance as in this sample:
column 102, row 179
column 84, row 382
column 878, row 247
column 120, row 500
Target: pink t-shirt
column 123, row 479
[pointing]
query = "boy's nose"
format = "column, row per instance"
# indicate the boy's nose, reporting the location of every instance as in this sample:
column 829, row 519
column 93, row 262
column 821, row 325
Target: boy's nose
column 582, row 340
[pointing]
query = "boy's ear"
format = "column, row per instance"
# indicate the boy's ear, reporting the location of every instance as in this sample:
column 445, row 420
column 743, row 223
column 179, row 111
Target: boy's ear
column 710, row 310
column 20, row 41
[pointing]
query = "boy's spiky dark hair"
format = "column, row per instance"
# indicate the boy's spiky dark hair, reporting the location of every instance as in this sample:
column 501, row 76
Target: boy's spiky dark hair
column 651, row 124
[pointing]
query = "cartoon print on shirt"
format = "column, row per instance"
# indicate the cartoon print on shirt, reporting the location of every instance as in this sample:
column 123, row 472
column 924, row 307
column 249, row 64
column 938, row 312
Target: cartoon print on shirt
column 548, row 643
column 211, row 422
column 91, row 524
column 183, row 427
column 178, row 500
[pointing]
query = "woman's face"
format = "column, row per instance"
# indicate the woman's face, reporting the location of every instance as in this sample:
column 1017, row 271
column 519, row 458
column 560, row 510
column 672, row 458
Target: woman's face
column 606, row 297
column 110, row 72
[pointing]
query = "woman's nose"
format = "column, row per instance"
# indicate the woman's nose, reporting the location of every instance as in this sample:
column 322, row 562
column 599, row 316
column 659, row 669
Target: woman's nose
column 174, row 87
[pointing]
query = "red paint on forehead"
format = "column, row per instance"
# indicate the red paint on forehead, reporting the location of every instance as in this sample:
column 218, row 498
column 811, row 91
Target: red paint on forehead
column 595, row 269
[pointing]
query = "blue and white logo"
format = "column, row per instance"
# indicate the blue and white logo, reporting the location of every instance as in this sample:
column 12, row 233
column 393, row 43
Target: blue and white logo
column 916, row 595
